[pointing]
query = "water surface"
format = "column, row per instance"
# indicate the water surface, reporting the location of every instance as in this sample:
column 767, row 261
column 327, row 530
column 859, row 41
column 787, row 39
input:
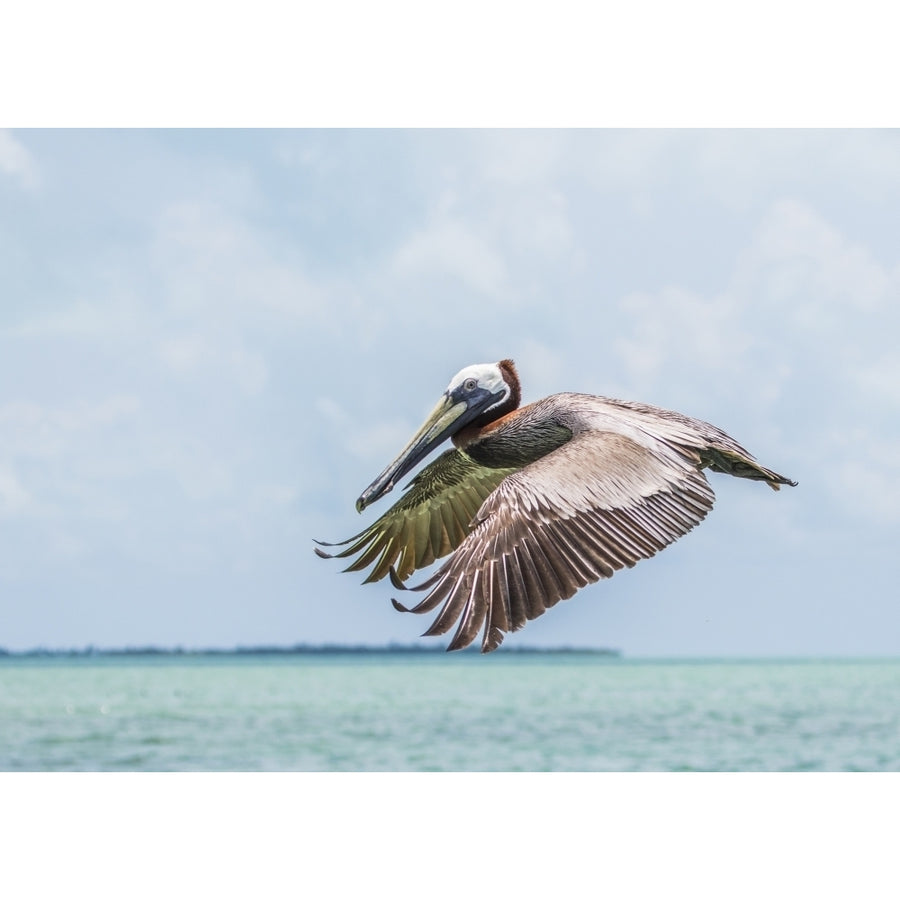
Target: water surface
column 446, row 712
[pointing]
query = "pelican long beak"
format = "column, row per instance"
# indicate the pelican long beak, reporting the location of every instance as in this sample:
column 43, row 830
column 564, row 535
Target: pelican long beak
column 443, row 421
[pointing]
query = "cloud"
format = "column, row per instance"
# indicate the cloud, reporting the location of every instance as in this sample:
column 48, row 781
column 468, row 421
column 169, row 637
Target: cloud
column 681, row 330
column 65, row 482
column 184, row 353
column 545, row 366
column 32, row 429
column 14, row 499
column 191, row 355
column 812, row 272
column 880, row 380
column 17, row 162
column 802, row 336
column 249, row 327
column 447, row 247
column 865, row 476
column 215, row 263
column 97, row 318
column 515, row 158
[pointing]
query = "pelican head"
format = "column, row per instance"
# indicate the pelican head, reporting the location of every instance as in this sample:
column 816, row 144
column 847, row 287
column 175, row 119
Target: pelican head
column 475, row 396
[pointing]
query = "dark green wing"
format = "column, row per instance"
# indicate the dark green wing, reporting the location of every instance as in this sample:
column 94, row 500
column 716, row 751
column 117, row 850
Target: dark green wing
column 429, row 521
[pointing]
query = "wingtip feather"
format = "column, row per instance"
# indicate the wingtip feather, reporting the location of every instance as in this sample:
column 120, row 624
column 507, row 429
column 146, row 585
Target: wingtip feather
column 395, row 580
column 492, row 640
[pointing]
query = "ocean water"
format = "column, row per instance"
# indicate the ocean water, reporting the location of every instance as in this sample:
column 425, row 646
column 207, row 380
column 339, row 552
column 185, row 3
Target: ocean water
column 446, row 712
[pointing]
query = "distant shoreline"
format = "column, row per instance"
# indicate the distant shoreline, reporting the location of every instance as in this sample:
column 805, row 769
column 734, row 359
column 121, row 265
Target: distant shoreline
column 293, row 650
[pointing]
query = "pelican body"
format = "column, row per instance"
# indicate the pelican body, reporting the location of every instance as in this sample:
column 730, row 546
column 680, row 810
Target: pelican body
column 535, row 502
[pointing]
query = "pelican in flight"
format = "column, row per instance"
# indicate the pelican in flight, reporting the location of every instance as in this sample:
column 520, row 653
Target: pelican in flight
column 536, row 502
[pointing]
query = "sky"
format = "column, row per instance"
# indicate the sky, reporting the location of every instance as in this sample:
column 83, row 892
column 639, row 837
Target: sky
column 211, row 341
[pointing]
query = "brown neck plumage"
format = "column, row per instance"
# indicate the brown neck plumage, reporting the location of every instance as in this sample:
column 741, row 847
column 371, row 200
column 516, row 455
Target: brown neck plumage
column 511, row 377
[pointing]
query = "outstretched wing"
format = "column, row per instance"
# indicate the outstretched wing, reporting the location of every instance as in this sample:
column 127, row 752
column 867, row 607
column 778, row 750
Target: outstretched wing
column 595, row 505
column 431, row 519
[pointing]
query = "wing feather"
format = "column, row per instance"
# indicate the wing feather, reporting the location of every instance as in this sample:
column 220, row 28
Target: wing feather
column 432, row 519
column 593, row 506
column 499, row 603
column 532, row 581
column 517, row 590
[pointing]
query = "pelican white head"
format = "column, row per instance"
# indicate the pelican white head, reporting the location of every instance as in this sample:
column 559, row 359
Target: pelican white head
column 496, row 381
column 476, row 395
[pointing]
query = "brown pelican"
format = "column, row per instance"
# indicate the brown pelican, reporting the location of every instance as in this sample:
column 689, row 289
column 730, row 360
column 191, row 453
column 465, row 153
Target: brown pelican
column 536, row 502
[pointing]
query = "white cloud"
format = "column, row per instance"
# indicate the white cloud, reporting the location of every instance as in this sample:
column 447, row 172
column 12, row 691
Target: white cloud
column 102, row 318
column 29, row 429
column 800, row 290
column 519, row 159
column 333, row 412
column 381, row 442
column 16, row 161
column 880, row 379
column 736, row 168
column 215, row 265
column 865, row 477
column 249, row 370
column 534, row 222
column 680, row 330
column 811, row 272
column 62, row 469
column 448, row 247
column 14, row 498
column 191, row 355
column 737, row 165
column 544, row 366
column 184, row 353
column 807, row 323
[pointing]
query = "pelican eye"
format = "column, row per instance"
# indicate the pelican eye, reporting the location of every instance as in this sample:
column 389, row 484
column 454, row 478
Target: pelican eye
column 470, row 384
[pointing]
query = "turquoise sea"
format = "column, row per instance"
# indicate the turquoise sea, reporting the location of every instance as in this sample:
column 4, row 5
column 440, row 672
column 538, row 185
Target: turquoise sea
column 446, row 712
